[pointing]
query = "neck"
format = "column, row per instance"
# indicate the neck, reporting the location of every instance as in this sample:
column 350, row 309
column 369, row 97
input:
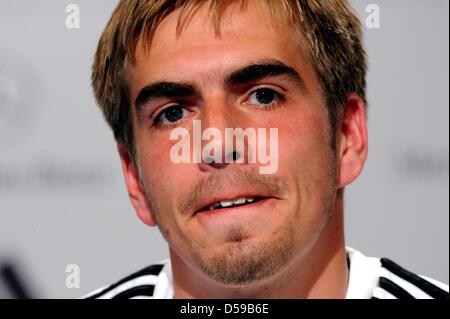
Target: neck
column 320, row 272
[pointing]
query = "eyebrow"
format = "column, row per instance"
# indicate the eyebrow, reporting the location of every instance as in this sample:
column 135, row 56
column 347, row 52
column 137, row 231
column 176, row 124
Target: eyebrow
column 263, row 69
column 163, row 89
column 243, row 75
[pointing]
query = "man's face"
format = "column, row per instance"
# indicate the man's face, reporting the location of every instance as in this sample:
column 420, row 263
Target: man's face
column 236, row 245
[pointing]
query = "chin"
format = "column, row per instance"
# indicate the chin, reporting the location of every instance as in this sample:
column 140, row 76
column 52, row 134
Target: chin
column 243, row 259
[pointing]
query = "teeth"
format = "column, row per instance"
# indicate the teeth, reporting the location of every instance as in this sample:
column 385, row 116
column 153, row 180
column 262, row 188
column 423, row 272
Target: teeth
column 226, row 204
column 214, row 206
column 238, row 201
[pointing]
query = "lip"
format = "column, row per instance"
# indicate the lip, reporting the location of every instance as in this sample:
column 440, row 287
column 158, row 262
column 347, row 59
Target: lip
column 252, row 217
column 255, row 204
column 203, row 208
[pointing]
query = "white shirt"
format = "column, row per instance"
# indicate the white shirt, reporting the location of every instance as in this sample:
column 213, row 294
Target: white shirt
column 369, row 278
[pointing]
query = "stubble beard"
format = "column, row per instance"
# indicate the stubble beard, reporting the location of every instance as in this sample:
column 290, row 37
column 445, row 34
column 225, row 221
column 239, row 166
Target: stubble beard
column 242, row 261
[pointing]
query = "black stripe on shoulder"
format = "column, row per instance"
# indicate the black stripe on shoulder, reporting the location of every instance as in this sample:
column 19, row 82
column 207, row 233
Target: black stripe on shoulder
column 394, row 289
column 426, row 286
column 150, row 270
column 144, row 290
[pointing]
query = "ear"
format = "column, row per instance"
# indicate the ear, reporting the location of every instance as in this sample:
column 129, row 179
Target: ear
column 135, row 189
column 352, row 140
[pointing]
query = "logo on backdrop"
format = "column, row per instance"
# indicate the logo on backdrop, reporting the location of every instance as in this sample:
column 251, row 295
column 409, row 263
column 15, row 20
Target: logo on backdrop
column 21, row 98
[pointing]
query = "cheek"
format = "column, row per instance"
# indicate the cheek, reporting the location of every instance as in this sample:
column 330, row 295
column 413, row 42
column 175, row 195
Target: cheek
column 303, row 145
column 165, row 182
column 305, row 159
column 154, row 158
column 164, row 179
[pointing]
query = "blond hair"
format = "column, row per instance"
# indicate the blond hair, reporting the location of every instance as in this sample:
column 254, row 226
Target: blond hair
column 329, row 32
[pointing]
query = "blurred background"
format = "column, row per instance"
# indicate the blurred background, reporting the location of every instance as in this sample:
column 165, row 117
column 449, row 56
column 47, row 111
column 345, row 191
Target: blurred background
column 64, row 210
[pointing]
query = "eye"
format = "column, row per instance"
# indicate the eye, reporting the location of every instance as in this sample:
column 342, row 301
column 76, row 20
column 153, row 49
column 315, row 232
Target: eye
column 264, row 96
column 171, row 115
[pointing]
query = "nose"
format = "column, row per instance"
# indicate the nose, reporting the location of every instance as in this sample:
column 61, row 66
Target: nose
column 223, row 143
column 217, row 163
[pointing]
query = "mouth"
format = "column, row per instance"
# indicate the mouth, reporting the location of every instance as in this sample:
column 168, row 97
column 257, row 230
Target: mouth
column 223, row 205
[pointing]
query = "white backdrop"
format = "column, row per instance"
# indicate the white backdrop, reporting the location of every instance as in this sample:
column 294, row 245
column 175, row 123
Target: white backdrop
column 62, row 196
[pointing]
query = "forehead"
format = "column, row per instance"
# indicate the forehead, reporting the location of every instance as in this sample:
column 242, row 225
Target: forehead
column 246, row 34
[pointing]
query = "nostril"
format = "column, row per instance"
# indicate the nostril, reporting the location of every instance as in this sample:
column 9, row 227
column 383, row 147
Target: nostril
column 234, row 156
column 209, row 160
